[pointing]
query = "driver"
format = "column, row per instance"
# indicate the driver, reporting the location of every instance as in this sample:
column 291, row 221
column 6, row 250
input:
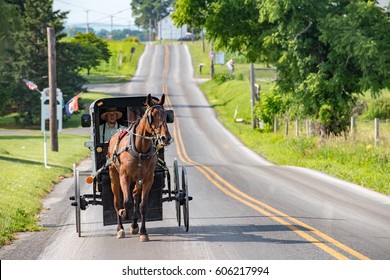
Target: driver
column 110, row 125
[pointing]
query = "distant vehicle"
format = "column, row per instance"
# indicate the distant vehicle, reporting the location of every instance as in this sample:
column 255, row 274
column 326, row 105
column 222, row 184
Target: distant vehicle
column 187, row 37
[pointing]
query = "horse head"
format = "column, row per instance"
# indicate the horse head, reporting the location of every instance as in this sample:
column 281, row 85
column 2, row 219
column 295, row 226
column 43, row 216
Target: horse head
column 157, row 120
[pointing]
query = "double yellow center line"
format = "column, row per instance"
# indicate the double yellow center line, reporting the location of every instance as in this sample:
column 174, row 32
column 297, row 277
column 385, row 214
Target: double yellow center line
column 314, row 236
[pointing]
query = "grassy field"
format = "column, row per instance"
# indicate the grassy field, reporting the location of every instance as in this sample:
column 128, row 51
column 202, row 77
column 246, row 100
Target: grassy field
column 25, row 180
column 122, row 64
column 356, row 159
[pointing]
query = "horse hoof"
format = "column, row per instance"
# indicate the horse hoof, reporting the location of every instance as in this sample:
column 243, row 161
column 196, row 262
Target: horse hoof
column 143, row 238
column 120, row 234
column 134, row 230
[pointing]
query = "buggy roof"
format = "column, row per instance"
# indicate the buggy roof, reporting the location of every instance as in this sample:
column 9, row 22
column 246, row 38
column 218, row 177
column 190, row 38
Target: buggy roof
column 127, row 101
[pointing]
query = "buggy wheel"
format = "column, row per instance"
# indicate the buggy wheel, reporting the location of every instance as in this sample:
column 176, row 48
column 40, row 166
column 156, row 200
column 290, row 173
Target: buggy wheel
column 176, row 191
column 77, row 196
column 186, row 206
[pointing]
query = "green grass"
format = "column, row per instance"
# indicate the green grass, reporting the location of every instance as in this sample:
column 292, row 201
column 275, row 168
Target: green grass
column 25, row 180
column 356, row 159
column 350, row 159
column 122, row 64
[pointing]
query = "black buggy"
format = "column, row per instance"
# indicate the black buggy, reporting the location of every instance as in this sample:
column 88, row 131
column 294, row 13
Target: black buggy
column 98, row 177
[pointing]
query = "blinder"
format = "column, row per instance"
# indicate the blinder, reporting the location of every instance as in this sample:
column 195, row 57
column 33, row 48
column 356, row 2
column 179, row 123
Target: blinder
column 170, row 116
column 150, row 118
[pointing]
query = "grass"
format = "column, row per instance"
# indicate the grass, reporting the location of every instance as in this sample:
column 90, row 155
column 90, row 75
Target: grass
column 356, row 159
column 25, row 180
column 122, row 64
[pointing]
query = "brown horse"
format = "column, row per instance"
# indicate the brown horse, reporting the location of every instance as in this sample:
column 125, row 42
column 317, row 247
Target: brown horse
column 133, row 156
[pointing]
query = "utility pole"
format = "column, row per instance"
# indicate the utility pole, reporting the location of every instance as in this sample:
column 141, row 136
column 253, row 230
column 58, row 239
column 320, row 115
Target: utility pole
column 253, row 94
column 150, row 29
column 157, row 27
column 211, row 59
column 203, row 43
column 52, row 88
column 87, row 30
column 112, row 23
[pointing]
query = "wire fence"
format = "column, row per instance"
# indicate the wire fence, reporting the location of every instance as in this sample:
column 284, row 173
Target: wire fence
column 367, row 131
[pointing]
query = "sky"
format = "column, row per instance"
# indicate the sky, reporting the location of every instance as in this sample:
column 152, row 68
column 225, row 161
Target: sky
column 97, row 12
column 382, row 3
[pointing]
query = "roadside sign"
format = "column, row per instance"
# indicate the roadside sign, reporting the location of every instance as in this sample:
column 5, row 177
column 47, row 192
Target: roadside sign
column 45, row 108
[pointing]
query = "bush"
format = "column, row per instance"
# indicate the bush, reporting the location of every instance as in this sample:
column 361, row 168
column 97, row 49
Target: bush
column 221, row 78
column 268, row 108
column 378, row 108
column 132, row 39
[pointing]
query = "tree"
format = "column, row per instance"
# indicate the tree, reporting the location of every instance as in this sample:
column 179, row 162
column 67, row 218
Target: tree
column 69, row 79
column 30, row 54
column 103, row 33
column 93, row 50
column 334, row 52
column 72, row 31
column 149, row 12
column 10, row 22
column 26, row 57
column 326, row 52
column 229, row 24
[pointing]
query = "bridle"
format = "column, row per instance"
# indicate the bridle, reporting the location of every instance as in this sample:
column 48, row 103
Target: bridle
column 156, row 132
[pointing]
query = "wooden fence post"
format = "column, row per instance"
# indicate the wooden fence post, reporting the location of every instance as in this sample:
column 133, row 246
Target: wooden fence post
column 275, row 125
column 307, row 127
column 286, row 128
column 376, row 129
column 353, row 125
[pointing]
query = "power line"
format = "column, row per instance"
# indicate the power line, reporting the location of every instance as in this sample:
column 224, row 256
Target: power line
column 94, row 11
column 106, row 20
column 109, row 16
column 80, row 7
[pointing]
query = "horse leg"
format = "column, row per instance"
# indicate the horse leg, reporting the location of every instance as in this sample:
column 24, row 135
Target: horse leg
column 134, row 225
column 143, row 208
column 134, row 208
column 127, row 202
column 115, row 188
column 136, row 198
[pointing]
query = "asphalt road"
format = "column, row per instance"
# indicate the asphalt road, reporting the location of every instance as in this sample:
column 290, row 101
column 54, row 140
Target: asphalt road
column 243, row 208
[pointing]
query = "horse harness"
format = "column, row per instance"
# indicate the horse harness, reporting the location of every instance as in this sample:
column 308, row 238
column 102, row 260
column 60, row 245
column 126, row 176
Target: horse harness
column 130, row 147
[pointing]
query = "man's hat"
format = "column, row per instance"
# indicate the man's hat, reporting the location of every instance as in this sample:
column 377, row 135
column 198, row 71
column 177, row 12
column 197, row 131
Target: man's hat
column 111, row 110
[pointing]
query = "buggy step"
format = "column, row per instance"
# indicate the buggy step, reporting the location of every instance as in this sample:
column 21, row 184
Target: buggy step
column 85, row 200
